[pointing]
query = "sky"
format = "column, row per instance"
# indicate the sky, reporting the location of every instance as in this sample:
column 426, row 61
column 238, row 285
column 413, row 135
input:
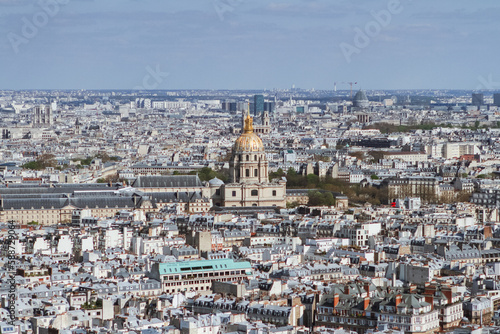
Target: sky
column 249, row 44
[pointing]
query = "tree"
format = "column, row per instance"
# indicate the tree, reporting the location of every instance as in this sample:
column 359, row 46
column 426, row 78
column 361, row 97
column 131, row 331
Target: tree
column 328, row 199
column 374, row 177
column 276, row 175
column 358, row 155
column 463, row 196
column 312, row 180
column 47, row 160
column 43, row 161
column 114, row 178
column 318, row 157
column 103, row 156
column 206, row 174
column 317, row 198
column 291, row 172
column 377, row 155
column 86, row 162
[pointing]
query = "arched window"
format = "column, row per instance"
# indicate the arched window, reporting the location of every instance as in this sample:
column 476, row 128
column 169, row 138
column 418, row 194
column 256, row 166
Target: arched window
column 255, row 192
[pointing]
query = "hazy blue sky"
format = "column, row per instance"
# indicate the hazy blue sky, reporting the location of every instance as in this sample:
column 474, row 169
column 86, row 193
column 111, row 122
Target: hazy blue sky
column 249, row 44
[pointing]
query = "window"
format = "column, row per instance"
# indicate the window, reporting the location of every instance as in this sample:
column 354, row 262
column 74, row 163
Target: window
column 255, row 172
column 248, row 157
column 274, row 192
column 255, row 192
column 256, row 157
column 247, row 172
column 217, row 192
column 234, row 193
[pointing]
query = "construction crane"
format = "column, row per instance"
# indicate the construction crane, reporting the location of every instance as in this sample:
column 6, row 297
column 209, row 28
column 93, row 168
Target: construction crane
column 348, row 83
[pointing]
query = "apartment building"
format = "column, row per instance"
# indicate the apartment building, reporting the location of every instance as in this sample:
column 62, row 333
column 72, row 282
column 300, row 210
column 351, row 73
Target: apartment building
column 198, row 275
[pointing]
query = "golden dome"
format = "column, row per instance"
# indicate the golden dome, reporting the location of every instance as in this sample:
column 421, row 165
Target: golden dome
column 248, row 141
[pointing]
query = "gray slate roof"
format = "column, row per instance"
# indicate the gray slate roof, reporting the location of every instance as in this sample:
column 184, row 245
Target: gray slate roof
column 167, row 181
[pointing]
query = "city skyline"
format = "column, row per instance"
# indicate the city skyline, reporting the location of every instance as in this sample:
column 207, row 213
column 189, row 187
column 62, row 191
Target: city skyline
column 72, row 44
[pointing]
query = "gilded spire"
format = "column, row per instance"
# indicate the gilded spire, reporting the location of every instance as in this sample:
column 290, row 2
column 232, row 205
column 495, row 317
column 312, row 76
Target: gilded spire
column 248, row 122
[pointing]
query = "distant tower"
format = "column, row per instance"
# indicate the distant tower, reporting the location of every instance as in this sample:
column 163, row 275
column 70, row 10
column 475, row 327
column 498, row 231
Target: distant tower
column 477, row 99
column 265, row 118
column 496, row 99
column 258, row 104
column 42, row 116
column 78, row 130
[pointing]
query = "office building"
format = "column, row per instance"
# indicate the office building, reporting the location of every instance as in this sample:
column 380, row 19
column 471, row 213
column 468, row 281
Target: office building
column 258, row 104
column 477, row 99
column 496, row 99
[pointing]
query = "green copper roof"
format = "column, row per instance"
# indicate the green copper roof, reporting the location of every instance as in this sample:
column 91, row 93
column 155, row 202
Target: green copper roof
column 202, row 265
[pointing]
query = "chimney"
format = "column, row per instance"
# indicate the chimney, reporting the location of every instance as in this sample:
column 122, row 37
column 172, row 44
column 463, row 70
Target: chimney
column 430, row 290
column 346, row 289
column 487, row 232
column 399, row 299
column 448, row 293
column 394, row 279
column 336, row 299
column 430, row 299
column 413, row 288
column 366, row 303
column 367, row 288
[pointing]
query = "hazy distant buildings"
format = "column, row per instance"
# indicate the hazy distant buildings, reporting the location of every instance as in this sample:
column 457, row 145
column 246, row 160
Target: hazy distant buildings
column 270, row 106
column 477, row 99
column 42, row 116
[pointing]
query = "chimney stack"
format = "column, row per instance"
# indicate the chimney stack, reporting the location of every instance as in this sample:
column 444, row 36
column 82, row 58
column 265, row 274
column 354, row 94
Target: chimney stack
column 367, row 288
column 448, row 293
column 399, row 299
column 336, row 299
column 366, row 303
column 430, row 299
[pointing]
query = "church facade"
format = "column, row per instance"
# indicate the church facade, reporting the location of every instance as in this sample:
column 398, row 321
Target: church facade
column 249, row 183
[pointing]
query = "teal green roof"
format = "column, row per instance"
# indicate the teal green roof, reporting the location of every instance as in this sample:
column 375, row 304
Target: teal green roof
column 202, row 265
